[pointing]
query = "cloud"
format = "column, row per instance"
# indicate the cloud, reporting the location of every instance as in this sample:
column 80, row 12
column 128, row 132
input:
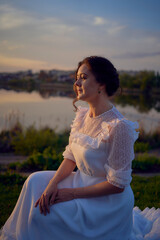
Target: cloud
column 21, row 62
column 138, row 55
column 62, row 40
column 12, row 18
column 10, row 45
column 99, row 21
column 109, row 26
column 15, row 63
column 55, row 24
column 115, row 29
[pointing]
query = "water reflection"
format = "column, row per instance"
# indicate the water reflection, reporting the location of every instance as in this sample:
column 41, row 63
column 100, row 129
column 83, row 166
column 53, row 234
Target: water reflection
column 143, row 103
column 55, row 93
column 53, row 107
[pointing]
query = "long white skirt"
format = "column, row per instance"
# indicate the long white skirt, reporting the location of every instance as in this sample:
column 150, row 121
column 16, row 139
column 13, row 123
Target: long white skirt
column 102, row 218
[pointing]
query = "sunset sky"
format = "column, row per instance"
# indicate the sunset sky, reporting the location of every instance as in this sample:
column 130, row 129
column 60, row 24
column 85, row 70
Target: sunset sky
column 49, row 34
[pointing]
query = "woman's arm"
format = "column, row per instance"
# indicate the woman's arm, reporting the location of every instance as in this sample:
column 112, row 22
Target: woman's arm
column 64, row 170
column 49, row 194
column 97, row 190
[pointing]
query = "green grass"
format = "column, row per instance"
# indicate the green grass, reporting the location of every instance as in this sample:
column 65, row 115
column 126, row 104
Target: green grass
column 10, row 187
column 146, row 191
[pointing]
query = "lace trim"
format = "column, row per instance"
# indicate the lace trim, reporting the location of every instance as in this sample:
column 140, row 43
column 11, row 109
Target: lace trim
column 94, row 143
column 119, row 178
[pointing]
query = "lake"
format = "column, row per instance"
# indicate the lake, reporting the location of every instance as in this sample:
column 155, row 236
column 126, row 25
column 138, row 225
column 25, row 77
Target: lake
column 56, row 110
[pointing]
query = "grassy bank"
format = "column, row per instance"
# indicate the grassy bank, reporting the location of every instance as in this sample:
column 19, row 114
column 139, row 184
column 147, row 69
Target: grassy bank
column 26, row 141
column 49, row 159
column 44, row 148
column 146, row 191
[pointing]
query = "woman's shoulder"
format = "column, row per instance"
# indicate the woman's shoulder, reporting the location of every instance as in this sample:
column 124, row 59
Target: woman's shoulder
column 116, row 119
column 119, row 125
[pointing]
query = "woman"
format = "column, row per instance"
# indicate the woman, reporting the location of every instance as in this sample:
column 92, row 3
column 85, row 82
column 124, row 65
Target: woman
column 96, row 201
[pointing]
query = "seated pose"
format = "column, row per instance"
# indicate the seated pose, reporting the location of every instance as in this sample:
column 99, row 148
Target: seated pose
column 96, row 201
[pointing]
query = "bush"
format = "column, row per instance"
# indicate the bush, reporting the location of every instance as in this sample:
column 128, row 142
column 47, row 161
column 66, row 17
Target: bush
column 13, row 166
column 33, row 140
column 145, row 162
column 153, row 140
column 141, row 147
column 30, row 140
column 6, row 137
column 48, row 160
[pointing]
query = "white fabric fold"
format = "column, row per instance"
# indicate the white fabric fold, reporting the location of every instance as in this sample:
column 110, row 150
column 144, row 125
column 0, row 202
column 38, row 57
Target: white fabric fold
column 146, row 224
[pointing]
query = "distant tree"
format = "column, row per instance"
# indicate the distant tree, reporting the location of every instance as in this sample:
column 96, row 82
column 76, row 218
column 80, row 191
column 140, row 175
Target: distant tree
column 147, row 79
column 144, row 80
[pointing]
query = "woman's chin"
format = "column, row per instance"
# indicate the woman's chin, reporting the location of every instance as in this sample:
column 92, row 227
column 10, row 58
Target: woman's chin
column 81, row 97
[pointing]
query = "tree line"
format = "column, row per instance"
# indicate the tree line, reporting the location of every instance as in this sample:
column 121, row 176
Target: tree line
column 143, row 80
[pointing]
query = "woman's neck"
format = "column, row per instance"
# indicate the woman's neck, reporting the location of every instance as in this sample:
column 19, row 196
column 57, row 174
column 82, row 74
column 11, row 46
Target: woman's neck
column 98, row 108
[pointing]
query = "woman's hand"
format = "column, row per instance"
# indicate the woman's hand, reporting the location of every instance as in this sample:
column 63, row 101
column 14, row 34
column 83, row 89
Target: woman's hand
column 47, row 198
column 64, row 194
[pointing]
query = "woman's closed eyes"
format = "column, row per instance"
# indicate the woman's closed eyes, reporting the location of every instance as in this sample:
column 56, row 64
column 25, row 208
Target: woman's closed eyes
column 82, row 76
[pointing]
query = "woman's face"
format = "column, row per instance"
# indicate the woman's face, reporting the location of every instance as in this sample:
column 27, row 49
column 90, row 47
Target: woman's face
column 86, row 85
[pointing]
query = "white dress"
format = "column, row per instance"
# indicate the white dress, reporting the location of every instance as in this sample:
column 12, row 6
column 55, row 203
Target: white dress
column 102, row 148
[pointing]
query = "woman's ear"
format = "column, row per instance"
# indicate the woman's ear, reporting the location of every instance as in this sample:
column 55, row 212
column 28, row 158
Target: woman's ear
column 102, row 87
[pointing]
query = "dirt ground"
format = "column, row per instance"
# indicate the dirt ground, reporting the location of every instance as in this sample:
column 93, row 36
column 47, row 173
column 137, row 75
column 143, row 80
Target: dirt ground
column 10, row 158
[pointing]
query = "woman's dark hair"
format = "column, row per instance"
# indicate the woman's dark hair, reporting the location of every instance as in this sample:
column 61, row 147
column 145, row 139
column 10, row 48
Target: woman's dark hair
column 104, row 72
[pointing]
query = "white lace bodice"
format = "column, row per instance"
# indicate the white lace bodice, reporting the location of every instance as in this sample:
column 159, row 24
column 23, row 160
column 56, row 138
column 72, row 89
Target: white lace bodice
column 103, row 146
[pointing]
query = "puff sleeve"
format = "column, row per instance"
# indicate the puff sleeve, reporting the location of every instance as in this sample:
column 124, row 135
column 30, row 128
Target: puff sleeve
column 68, row 152
column 120, row 150
column 74, row 127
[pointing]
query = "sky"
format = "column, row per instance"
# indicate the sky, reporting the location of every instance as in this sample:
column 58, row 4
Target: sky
column 57, row 34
